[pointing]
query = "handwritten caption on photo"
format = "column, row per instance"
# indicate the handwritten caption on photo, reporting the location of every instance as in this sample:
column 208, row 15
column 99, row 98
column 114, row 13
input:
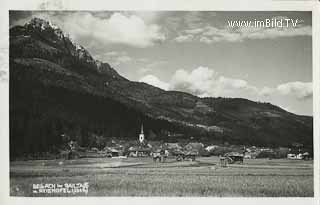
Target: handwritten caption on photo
column 66, row 188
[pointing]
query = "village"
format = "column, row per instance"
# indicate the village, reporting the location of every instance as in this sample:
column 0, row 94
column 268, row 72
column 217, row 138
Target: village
column 160, row 151
column 145, row 167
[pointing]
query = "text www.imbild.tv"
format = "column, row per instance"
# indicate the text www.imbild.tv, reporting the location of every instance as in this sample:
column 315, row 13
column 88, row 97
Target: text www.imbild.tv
column 267, row 23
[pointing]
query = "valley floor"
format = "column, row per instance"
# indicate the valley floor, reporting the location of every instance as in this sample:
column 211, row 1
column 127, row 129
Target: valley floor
column 143, row 177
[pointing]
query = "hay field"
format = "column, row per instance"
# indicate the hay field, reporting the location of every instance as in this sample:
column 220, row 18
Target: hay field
column 143, row 177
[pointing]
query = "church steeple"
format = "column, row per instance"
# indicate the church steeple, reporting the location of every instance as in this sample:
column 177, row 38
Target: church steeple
column 141, row 135
column 141, row 129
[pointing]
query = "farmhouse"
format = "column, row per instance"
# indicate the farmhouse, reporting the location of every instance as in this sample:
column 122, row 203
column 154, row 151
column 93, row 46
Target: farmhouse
column 172, row 146
column 297, row 151
column 112, row 152
column 250, row 155
column 211, row 148
column 194, row 146
column 139, row 151
column 294, row 155
column 234, row 157
column 306, row 156
column 251, row 149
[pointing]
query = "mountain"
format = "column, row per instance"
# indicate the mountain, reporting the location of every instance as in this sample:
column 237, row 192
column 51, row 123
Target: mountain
column 57, row 87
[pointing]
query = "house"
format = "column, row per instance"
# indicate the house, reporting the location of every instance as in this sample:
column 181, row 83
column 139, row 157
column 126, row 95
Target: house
column 234, row 157
column 298, row 152
column 112, row 152
column 194, row 146
column 211, row 148
column 172, row 146
column 251, row 149
column 139, row 151
column 306, row 156
column 299, row 156
column 291, row 156
column 250, row 155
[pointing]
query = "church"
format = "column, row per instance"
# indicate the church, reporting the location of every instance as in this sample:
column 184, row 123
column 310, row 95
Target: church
column 142, row 149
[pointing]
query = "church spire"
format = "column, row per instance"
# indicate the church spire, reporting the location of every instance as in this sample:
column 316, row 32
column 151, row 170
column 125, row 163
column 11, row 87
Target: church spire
column 141, row 135
column 141, row 129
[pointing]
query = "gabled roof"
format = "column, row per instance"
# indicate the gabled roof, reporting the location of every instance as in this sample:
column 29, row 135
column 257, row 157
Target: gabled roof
column 139, row 149
column 173, row 146
column 110, row 149
column 234, row 154
column 191, row 153
column 194, row 145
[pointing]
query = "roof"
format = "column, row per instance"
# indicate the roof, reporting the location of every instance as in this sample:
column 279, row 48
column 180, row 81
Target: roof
column 110, row 149
column 173, row 146
column 234, row 154
column 195, row 145
column 211, row 147
column 178, row 152
column 140, row 149
column 191, row 153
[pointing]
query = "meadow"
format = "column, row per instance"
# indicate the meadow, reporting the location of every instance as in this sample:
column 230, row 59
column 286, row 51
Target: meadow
column 143, row 177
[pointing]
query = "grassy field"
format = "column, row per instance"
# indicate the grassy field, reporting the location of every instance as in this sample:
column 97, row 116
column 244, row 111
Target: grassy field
column 143, row 177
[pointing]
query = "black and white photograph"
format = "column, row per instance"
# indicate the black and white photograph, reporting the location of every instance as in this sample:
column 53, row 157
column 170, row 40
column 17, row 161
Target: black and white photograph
column 160, row 103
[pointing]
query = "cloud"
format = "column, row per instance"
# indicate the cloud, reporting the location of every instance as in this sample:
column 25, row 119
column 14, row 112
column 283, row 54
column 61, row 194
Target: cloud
column 173, row 24
column 153, row 80
column 150, row 65
column 198, row 82
column 266, row 91
column 184, row 38
column 204, row 82
column 194, row 31
column 143, row 60
column 193, row 19
column 117, row 28
column 115, row 53
column 273, row 33
column 144, row 70
column 211, row 34
column 207, row 40
column 300, row 90
column 114, row 58
column 124, row 59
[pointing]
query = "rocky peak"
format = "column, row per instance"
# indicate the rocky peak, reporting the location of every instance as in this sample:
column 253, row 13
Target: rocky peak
column 54, row 35
column 42, row 25
column 50, row 34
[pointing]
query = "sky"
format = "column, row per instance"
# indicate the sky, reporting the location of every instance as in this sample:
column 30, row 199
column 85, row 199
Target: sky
column 200, row 52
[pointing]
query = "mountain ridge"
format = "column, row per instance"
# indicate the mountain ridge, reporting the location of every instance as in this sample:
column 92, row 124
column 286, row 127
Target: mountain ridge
column 42, row 53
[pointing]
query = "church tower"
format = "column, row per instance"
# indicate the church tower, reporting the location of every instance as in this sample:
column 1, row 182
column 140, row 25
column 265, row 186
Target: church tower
column 141, row 135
